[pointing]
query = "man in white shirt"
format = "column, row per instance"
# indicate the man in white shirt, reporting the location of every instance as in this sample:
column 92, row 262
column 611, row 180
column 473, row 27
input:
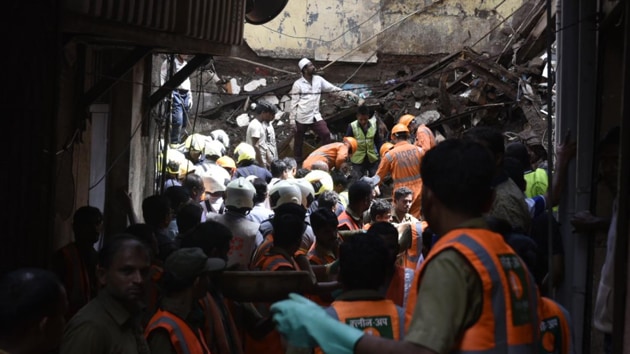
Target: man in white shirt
column 305, row 97
column 261, row 135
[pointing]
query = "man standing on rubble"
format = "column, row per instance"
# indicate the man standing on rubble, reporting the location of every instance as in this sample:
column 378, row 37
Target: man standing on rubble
column 304, row 114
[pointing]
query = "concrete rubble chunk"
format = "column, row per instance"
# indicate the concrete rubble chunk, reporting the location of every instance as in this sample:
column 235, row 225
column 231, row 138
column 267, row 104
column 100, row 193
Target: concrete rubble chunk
column 242, row 120
column 255, row 84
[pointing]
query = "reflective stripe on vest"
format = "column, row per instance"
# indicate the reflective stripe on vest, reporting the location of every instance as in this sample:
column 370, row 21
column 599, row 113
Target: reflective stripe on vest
column 345, row 219
column 365, row 142
column 182, row 336
column 381, row 318
column 412, row 255
column 400, row 285
column 492, row 332
column 275, row 261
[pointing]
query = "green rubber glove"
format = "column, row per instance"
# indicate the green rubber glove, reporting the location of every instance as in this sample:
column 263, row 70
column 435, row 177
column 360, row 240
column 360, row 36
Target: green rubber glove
column 305, row 324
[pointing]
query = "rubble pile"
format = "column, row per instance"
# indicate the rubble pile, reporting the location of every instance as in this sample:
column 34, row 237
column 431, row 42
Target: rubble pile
column 508, row 90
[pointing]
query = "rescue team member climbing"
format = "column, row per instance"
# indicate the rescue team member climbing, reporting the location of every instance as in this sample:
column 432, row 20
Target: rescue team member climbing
column 443, row 318
column 403, row 162
column 305, row 96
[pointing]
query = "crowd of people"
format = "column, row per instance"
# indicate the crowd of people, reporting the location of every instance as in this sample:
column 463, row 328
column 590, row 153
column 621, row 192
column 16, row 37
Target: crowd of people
column 449, row 262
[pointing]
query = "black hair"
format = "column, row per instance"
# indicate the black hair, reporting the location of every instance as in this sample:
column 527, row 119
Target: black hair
column 379, row 207
column 155, row 209
column 288, row 224
column 339, row 179
column 86, row 215
column 328, row 199
column 262, row 107
column 358, row 191
column 363, row 262
column 301, row 172
column 116, row 243
column 363, row 110
column 178, row 196
column 514, row 169
column 290, row 162
column 489, row 137
column 188, row 217
column 277, row 168
column 261, row 190
column 460, row 173
column 26, row 296
column 193, row 181
column 142, row 232
column 518, row 151
column 389, row 234
column 402, row 192
column 211, row 236
column 322, row 218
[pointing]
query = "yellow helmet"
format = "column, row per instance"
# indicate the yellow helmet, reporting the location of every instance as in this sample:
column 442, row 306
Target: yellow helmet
column 244, row 152
column 321, row 181
column 226, row 162
column 196, row 142
column 353, row 143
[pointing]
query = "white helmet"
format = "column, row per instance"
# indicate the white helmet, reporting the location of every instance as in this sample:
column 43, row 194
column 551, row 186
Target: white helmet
column 306, row 188
column 284, row 192
column 244, row 151
column 321, row 181
column 214, row 178
column 214, row 148
column 221, row 136
column 240, row 194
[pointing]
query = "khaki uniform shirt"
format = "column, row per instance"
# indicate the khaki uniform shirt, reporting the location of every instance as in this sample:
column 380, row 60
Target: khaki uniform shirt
column 104, row 326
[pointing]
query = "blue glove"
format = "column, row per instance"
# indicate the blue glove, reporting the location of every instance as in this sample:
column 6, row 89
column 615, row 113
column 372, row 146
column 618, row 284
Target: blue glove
column 304, row 324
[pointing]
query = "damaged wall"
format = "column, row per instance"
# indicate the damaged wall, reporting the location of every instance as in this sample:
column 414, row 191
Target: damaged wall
column 328, row 29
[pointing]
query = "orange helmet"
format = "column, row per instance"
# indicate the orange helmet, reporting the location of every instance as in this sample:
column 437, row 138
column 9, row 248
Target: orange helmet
column 385, row 148
column 226, row 162
column 399, row 128
column 406, row 119
column 353, row 143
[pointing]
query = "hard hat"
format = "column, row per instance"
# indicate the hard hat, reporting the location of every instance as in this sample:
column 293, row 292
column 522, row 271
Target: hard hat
column 406, row 119
column 385, row 148
column 240, row 194
column 186, row 167
column 244, row 152
column 195, row 141
column 321, row 181
column 226, row 162
column 306, row 189
column 221, row 136
column 283, row 192
column 214, row 148
column 303, row 62
column 174, row 159
column 214, row 181
column 353, row 143
column 399, row 128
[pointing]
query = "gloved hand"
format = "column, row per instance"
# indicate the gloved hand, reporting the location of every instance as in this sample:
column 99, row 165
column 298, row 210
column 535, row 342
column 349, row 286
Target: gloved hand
column 305, row 324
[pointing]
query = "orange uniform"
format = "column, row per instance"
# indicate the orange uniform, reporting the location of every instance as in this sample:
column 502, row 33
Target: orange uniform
column 555, row 332
column 399, row 286
column 425, row 138
column 403, row 163
column 183, row 338
column 220, row 331
column 348, row 223
column 80, row 286
column 333, row 154
column 509, row 316
column 413, row 254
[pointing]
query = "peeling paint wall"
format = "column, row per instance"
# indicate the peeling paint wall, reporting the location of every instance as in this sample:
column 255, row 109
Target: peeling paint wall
column 355, row 29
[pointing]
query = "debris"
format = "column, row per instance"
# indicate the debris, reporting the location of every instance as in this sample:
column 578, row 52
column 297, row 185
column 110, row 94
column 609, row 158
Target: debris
column 242, row 120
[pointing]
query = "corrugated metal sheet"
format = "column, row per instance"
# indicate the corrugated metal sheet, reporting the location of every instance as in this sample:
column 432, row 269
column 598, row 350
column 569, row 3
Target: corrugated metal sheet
column 214, row 20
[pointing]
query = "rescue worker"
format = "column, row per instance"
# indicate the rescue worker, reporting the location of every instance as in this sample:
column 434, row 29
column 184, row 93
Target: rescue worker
column 403, row 163
column 556, row 335
column 409, row 228
column 304, row 113
column 398, row 279
column 321, row 181
column 365, row 158
column 245, row 156
column 326, row 246
column 75, row 263
column 360, row 195
column 334, row 155
column 228, row 164
column 363, row 262
column 172, row 329
column 261, row 135
column 219, row 329
column 452, row 306
column 239, row 200
column 425, row 138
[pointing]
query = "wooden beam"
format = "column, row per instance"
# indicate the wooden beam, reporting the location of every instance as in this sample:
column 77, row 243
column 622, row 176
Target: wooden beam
column 178, row 78
column 114, row 74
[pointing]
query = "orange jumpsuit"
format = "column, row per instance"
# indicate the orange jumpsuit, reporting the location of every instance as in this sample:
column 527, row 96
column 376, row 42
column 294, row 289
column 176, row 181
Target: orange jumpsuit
column 403, row 163
column 333, row 154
